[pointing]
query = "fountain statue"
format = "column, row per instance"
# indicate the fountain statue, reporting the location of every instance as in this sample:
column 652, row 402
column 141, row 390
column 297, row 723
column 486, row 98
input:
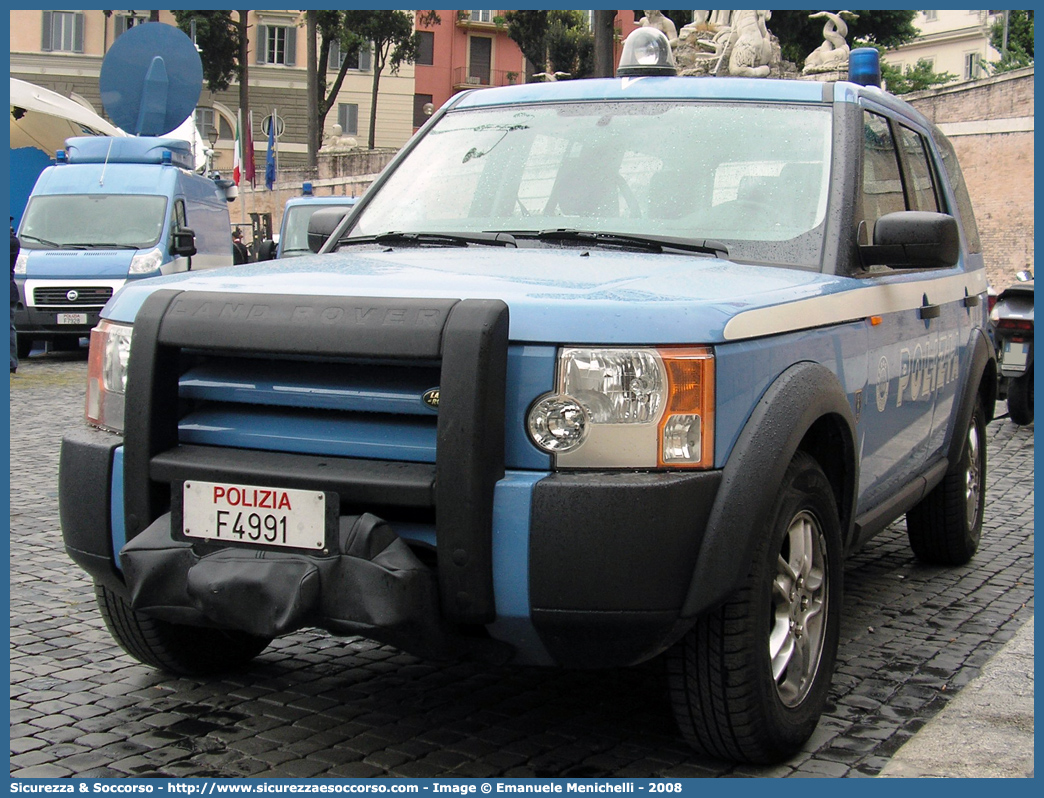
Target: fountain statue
column 832, row 55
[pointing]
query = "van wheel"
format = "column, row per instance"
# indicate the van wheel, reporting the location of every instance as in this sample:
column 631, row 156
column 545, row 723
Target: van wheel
column 749, row 681
column 25, row 346
column 945, row 526
column 175, row 648
column 1020, row 399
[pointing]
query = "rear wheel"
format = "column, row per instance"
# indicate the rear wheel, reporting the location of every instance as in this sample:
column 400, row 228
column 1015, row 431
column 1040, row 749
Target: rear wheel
column 178, row 649
column 749, row 681
column 1020, row 399
column 945, row 527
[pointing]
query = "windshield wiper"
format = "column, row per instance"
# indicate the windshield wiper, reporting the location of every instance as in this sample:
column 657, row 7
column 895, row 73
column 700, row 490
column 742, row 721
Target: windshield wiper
column 102, row 245
column 26, row 236
column 649, row 243
column 436, row 239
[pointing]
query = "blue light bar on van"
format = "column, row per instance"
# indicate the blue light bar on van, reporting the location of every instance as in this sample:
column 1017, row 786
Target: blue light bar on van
column 864, row 66
column 165, row 158
column 61, row 156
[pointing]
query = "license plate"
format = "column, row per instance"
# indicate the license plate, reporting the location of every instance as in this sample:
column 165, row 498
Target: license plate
column 1015, row 355
column 254, row 515
column 72, row 318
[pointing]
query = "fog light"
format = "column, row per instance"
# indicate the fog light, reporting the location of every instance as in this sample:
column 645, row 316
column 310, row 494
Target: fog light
column 557, row 423
column 682, row 439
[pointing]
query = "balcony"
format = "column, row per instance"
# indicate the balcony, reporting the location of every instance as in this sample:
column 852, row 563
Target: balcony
column 494, row 21
column 495, row 77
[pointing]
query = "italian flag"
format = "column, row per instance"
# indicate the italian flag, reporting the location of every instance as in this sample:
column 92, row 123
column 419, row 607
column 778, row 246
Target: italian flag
column 237, row 152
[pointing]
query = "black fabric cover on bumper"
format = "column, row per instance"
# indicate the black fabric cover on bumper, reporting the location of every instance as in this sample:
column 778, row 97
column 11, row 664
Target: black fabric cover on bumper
column 374, row 587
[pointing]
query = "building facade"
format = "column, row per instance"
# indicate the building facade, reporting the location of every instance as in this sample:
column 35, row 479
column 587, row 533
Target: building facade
column 471, row 49
column 957, row 42
column 63, row 51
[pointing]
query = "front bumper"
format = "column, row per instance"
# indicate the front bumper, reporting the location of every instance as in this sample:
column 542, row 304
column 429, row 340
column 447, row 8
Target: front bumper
column 589, row 570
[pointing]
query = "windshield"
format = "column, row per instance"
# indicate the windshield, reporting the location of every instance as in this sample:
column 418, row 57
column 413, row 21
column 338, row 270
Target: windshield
column 93, row 221
column 753, row 176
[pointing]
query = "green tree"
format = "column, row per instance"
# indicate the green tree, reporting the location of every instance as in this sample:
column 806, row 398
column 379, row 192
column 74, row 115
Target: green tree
column 920, row 76
column 1019, row 50
column 394, row 43
column 553, row 41
column 798, row 35
column 218, row 39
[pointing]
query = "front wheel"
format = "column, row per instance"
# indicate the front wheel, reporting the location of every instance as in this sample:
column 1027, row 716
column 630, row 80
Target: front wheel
column 1020, row 399
column 749, row 681
column 945, row 526
column 175, row 648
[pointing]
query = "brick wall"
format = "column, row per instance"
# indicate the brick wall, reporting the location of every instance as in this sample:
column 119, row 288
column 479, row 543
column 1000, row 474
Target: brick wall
column 990, row 123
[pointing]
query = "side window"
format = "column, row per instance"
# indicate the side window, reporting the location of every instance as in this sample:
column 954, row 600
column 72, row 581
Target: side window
column 180, row 219
column 960, row 192
column 882, row 182
column 920, row 186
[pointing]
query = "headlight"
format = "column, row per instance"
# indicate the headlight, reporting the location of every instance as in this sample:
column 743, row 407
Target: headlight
column 146, row 262
column 107, row 374
column 628, row 408
column 21, row 262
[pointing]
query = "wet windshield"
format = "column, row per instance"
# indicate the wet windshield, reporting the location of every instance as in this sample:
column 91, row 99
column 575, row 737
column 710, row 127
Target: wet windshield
column 753, row 176
column 93, row 221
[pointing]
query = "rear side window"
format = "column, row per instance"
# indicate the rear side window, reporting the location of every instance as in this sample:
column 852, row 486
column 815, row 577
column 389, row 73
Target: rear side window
column 920, row 187
column 960, row 191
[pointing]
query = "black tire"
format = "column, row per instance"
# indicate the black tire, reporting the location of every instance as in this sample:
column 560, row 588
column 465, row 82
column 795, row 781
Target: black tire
column 177, row 649
column 25, row 346
column 1020, row 399
column 945, row 526
column 736, row 692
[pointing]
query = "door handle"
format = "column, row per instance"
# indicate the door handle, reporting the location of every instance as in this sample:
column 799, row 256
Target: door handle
column 929, row 311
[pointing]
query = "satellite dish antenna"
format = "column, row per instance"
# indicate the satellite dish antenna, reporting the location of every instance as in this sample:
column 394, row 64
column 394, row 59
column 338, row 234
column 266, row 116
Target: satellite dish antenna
column 151, row 79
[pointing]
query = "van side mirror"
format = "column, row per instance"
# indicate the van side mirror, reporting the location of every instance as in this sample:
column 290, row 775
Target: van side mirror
column 321, row 225
column 913, row 240
column 183, row 242
column 266, row 250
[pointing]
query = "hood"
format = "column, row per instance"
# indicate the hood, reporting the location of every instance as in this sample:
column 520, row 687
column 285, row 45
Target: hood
column 82, row 264
column 561, row 295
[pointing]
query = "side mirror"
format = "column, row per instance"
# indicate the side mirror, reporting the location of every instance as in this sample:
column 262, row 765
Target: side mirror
column 183, row 242
column 266, row 250
column 322, row 224
column 914, row 240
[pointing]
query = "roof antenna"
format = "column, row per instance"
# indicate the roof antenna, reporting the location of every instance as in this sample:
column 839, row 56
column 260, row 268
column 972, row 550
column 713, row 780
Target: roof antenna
column 108, row 152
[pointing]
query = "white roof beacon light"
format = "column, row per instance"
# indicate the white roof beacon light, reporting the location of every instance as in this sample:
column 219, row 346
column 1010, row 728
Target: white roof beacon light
column 646, row 52
column 864, row 66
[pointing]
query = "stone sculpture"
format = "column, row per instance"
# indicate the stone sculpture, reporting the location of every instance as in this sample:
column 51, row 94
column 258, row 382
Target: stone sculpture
column 656, row 19
column 751, row 44
column 832, row 54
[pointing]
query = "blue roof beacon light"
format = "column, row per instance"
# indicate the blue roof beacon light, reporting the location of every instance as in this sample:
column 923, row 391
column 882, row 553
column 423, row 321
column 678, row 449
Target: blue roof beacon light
column 61, row 156
column 646, row 52
column 166, row 157
column 864, row 66
column 306, row 190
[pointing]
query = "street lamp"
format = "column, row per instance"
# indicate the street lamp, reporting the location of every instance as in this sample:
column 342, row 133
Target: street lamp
column 212, row 136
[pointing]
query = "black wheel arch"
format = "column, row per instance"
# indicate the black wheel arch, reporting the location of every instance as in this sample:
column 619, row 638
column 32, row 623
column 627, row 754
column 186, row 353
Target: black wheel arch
column 981, row 386
column 805, row 408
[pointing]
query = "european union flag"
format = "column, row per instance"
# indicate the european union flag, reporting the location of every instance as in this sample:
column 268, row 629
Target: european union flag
column 270, row 164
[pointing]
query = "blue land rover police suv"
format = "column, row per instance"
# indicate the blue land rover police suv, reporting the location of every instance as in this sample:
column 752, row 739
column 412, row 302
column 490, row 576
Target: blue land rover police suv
column 597, row 372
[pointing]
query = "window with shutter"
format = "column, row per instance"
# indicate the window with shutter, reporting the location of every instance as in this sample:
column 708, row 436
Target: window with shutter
column 348, row 118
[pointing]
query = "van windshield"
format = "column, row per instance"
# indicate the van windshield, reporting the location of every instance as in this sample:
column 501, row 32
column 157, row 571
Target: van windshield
column 754, row 176
column 93, row 221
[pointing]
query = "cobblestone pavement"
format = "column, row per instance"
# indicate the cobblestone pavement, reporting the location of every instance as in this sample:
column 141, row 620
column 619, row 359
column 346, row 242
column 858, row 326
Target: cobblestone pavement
column 314, row 705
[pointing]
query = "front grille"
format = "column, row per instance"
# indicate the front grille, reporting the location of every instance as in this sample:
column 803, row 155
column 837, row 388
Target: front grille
column 72, row 296
column 328, row 392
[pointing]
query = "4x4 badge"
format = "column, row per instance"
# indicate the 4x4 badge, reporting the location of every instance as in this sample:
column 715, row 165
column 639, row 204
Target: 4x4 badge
column 431, row 398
